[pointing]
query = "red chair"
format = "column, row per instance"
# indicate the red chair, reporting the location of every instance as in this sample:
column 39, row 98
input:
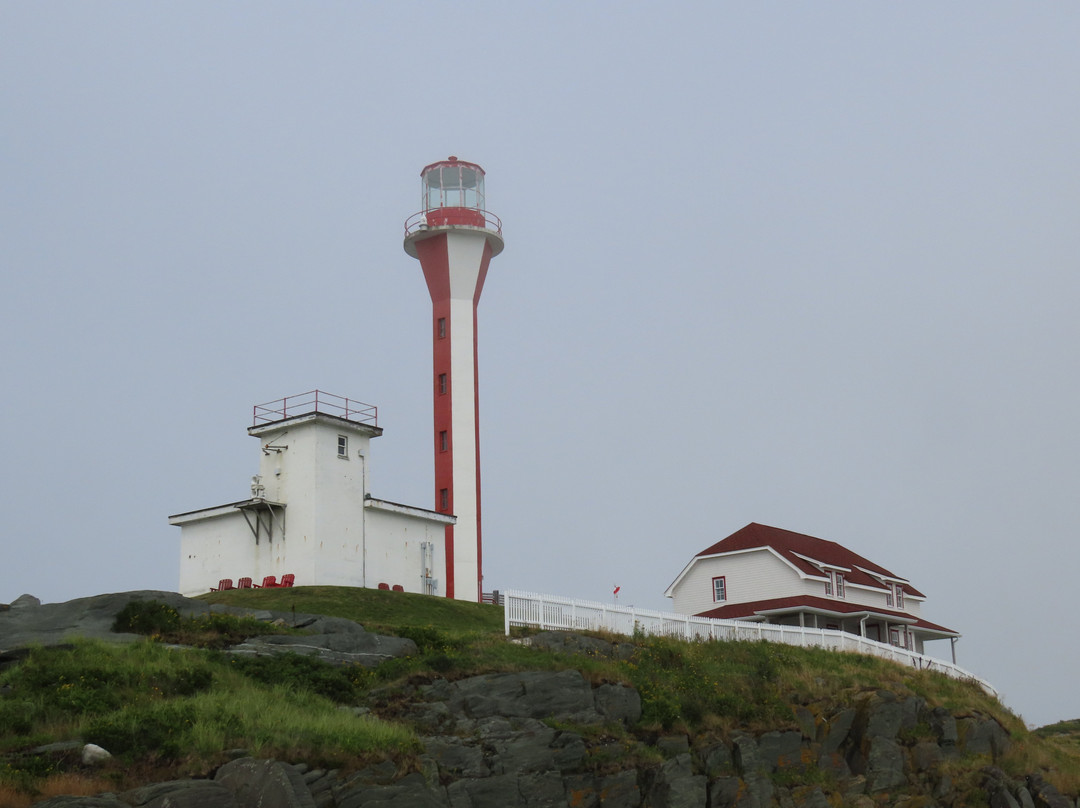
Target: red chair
column 223, row 584
column 243, row 583
column 269, row 582
column 287, row 580
column 384, row 587
column 398, row 588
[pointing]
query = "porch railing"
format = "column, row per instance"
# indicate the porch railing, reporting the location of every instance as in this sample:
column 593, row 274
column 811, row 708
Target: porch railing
column 566, row 614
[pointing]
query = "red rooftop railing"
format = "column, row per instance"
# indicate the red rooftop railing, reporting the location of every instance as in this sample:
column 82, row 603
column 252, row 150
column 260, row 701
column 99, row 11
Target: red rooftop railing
column 315, row 401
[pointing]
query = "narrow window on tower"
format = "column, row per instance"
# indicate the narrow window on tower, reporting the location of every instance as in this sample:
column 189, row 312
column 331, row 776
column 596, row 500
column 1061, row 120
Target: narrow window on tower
column 442, row 384
column 343, row 447
column 444, row 441
column 442, row 328
column 444, row 499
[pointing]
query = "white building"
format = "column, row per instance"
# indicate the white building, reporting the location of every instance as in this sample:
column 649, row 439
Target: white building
column 310, row 513
column 771, row 575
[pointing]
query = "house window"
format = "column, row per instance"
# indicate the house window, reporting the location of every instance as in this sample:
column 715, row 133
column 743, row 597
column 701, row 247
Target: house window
column 444, row 441
column 442, row 328
column 442, row 384
column 899, row 596
column 444, row 499
column 835, row 583
column 719, row 589
column 889, row 596
column 343, row 447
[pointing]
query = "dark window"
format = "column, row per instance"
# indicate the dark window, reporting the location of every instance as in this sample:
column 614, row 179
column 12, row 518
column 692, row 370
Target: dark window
column 444, row 499
column 444, row 441
column 442, row 328
column 442, row 384
column 342, row 446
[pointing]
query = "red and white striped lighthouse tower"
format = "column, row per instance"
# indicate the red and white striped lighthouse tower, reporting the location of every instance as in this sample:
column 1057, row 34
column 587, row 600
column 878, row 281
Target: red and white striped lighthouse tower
column 455, row 237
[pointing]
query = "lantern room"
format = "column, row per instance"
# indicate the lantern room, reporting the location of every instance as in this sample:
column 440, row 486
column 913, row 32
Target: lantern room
column 453, row 193
column 453, row 199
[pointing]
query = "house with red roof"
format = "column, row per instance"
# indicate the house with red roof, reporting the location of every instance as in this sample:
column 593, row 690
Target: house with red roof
column 768, row 574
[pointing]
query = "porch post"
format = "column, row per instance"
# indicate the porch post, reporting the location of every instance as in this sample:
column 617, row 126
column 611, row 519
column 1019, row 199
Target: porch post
column 952, row 646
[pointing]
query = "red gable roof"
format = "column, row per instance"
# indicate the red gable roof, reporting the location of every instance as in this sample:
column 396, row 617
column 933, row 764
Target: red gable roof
column 791, row 546
column 813, row 603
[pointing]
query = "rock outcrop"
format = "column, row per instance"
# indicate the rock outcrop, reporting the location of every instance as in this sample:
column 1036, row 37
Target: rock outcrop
column 28, row 622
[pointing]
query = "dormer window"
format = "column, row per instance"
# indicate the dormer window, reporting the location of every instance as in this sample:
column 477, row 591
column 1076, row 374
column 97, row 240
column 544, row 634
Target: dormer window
column 834, row 584
column 895, row 596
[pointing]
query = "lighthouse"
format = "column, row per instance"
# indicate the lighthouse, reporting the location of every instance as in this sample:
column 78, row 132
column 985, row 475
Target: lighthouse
column 455, row 237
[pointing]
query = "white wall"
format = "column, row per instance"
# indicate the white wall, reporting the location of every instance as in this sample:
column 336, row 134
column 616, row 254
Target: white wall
column 324, row 494
column 217, row 547
column 750, row 576
column 465, row 254
column 395, row 557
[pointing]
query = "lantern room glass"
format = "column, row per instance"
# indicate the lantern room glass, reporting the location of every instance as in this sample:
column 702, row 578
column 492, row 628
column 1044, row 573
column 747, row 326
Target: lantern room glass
column 453, row 184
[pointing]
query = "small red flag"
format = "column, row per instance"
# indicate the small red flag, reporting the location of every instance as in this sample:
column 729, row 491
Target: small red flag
column 616, row 590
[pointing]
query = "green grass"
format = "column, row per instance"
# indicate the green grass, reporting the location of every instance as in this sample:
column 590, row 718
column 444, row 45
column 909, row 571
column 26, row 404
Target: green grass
column 151, row 705
column 374, row 609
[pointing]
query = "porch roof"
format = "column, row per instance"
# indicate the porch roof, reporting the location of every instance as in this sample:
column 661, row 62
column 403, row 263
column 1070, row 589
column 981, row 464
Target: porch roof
column 810, row 603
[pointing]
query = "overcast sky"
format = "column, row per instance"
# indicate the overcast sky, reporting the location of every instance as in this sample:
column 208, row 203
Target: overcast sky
column 807, row 264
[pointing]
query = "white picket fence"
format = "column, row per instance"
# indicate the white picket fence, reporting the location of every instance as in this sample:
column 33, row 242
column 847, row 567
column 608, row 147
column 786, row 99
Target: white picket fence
column 551, row 612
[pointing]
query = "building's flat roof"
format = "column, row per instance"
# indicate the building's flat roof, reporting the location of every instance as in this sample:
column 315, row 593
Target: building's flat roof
column 409, row 510
column 222, row 510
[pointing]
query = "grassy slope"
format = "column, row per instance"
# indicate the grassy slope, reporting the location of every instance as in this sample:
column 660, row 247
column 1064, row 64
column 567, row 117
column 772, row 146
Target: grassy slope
column 288, row 708
column 376, row 610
